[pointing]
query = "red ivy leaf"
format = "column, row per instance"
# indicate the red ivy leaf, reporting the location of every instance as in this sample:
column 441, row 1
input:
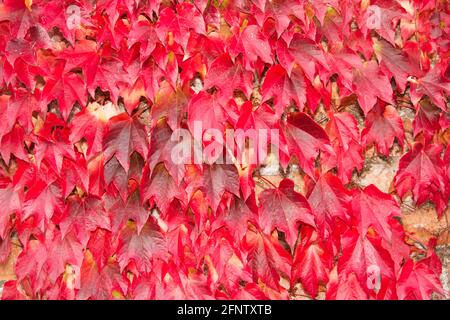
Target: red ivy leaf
column 141, row 248
column 421, row 171
column 305, row 139
column 283, row 208
column 383, row 118
column 124, row 136
column 371, row 84
column 284, row 88
column 417, row 281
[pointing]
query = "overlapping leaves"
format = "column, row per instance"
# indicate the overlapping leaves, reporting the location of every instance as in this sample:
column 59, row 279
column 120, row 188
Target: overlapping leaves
column 87, row 110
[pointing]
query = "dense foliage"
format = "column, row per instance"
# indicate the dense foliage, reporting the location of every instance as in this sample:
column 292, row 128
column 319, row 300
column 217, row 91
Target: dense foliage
column 92, row 91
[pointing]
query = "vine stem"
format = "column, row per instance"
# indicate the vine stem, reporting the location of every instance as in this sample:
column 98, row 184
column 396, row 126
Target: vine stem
column 268, row 182
column 410, row 236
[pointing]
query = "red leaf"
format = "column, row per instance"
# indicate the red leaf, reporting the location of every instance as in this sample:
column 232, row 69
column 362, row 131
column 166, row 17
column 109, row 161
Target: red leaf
column 186, row 17
column 434, row 86
column 141, row 248
column 162, row 146
column 41, row 201
column 63, row 251
column 9, row 202
column 87, row 125
column 395, row 64
column 345, row 138
column 102, row 68
column 283, row 208
column 170, row 103
column 122, row 211
column 308, row 55
column 364, row 257
column 312, row 261
column 329, row 199
column 254, row 44
column 205, row 111
column 228, row 76
column 421, row 171
column 371, row 84
column 83, row 216
column 277, row 84
column 427, row 120
column 383, row 118
column 12, row 144
column 347, row 288
column 238, row 217
column 373, row 208
column 19, row 107
column 386, row 18
column 267, row 259
column 160, row 188
column 218, row 179
column 343, row 128
column 102, row 246
column 111, row 198
column 99, row 284
column 66, row 87
column 10, row 291
column 417, row 281
column 124, row 136
column 305, row 139
column 23, row 16
column 30, row 264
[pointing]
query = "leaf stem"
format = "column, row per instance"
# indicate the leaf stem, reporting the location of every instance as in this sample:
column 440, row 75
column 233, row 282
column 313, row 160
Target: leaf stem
column 268, row 182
